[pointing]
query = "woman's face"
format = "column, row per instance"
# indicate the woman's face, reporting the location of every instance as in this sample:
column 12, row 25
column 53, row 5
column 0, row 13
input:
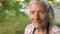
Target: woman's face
column 38, row 15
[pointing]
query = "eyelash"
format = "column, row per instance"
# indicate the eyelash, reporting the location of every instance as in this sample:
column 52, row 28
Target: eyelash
column 42, row 12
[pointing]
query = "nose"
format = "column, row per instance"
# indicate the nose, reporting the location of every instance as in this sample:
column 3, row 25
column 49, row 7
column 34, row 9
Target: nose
column 36, row 16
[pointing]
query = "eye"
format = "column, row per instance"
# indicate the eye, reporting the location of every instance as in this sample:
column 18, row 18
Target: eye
column 42, row 11
column 32, row 12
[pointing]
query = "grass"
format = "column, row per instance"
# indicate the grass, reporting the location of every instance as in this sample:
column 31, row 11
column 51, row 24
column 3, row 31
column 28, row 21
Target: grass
column 14, row 25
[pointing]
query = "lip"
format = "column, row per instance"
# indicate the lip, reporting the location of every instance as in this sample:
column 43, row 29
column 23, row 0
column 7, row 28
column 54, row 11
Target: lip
column 36, row 21
column 39, row 21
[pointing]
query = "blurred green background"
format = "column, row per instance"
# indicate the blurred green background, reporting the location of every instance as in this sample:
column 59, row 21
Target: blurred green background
column 12, row 20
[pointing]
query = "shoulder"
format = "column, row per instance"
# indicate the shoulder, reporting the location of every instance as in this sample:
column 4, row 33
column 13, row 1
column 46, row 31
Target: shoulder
column 56, row 30
column 29, row 29
column 30, row 26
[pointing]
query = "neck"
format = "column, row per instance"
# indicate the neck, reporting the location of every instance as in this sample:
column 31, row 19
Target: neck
column 45, row 28
column 40, row 29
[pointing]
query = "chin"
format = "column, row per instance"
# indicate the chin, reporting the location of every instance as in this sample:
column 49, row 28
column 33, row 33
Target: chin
column 36, row 25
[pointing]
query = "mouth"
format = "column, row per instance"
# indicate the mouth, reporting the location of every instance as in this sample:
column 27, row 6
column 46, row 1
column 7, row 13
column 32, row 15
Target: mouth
column 39, row 22
column 36, row 21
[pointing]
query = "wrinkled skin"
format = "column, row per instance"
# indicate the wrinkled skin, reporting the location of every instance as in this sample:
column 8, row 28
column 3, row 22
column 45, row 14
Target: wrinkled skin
column 38, row 15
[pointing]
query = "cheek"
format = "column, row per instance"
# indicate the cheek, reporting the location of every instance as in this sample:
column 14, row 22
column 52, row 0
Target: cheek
column 43, row 16
column 31, row 16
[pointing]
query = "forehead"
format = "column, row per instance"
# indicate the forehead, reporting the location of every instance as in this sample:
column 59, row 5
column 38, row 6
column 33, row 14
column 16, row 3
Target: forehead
column 37, row 6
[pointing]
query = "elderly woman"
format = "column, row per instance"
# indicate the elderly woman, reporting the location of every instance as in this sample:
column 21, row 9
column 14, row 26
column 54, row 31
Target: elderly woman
column 42, row 19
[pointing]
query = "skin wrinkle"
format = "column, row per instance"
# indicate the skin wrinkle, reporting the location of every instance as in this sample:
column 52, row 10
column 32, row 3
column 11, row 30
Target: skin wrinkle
column 37, row 13
column 38, row 16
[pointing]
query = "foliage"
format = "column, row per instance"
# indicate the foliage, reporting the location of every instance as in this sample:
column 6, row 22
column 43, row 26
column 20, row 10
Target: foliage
column 26, row 1
column 55, row 2
column 9, row 8
column 12, row 21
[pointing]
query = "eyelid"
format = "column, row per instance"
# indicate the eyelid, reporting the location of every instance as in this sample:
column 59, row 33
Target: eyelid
column 42, row 11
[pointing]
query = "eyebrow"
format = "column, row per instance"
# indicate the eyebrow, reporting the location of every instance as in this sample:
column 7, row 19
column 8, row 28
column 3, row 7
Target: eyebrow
column 39, row 10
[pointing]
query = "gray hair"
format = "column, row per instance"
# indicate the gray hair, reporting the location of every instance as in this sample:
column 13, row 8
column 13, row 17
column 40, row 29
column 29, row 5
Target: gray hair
column 48, row 7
